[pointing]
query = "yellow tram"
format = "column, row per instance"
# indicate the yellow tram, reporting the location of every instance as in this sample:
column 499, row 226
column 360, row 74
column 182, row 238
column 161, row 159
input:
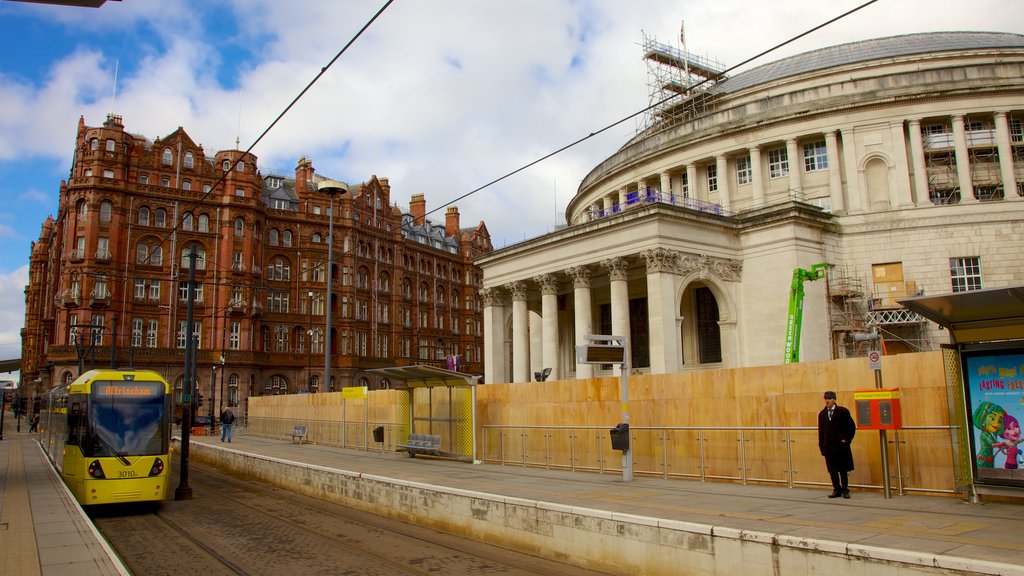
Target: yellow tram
column 108, row 433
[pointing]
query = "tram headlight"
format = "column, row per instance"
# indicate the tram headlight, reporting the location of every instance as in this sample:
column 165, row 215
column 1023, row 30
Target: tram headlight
column 95, row 470
column 158, row 467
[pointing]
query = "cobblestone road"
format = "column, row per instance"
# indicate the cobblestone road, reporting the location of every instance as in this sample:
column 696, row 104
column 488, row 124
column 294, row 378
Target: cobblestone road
column 235, row 526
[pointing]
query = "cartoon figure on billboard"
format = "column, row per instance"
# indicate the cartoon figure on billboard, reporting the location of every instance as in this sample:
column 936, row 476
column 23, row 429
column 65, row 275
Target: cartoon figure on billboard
column 1011, row 440
column 988, row 418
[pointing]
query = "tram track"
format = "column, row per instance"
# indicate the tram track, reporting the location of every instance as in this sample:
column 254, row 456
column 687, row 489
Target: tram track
column 243, row 527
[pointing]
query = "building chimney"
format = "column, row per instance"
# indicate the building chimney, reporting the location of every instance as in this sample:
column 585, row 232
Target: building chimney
column 418, row 209
column 451, row 222
column 303, row 175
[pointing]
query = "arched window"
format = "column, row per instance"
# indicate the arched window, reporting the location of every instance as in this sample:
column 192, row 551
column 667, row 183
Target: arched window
column 189, row 160
column 141, row 252
column 226, row 165
column 316, row 237
column 286, row 238
column 94, row 144
column 186, row 221
column 384, row 282
column 279, row 270
column 239, row 227
column 156, row 256
column 143, row 219
column 424, row 292
column 200, row 258
column 186, row 185
column 233, row 390
column 111, row 145
column 106, row 208
column 167, row 157
column 240, row 167
column 160, row 217
column 204, row 223
column 83, row 209
column 273, row 237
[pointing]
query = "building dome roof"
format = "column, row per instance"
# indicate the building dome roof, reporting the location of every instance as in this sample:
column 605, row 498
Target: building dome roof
column 867, row 50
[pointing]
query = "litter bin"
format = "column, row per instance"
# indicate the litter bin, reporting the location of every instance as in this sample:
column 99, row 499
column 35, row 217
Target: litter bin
column 620, row 436
column 378, row 434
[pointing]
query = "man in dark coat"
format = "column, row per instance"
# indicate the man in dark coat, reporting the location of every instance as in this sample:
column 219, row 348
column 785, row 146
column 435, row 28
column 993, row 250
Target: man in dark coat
column 835, row 433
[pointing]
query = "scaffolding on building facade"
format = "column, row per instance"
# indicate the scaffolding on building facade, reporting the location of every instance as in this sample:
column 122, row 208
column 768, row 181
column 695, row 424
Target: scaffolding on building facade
column 678, row 83
column 854, row 309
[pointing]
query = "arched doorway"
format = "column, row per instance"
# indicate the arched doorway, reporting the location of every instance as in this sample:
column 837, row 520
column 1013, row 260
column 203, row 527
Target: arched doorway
column 700, row 334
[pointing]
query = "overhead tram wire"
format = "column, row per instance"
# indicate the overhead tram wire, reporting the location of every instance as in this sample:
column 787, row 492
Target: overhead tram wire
column 323, row 70
column 652, row 106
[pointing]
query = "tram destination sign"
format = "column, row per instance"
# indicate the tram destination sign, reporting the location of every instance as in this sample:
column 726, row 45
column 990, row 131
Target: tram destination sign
column 600, row 354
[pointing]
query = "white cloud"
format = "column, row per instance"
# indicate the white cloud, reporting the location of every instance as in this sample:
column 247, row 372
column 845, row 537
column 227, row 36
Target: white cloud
column 12, row 311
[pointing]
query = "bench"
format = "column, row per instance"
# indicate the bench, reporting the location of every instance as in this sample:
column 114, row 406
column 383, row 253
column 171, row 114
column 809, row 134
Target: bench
column 298, row 434
column 421, row 444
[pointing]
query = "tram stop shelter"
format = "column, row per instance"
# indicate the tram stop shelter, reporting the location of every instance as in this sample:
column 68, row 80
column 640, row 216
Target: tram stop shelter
column 984, row 368
column 441, row 402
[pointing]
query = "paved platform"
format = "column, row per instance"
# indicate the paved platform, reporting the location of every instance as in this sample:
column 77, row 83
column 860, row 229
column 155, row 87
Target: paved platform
column 43, row 531
column 945, row 532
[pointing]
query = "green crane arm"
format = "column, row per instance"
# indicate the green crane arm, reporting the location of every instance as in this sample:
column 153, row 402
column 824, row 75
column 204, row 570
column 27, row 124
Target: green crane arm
column 794, row 321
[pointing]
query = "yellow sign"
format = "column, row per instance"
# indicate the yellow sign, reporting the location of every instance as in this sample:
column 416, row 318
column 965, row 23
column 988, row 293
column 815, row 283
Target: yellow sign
column 354, row 392
column 877, row 394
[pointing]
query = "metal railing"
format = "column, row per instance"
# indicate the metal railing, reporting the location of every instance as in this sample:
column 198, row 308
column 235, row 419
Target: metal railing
column 763, row 455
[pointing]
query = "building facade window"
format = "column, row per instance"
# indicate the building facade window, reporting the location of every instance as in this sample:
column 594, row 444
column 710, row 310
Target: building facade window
column 815, row 156
column 167, row 158
column 778, row 163
column 712, row 178
column 965, row 273
column 743, row 172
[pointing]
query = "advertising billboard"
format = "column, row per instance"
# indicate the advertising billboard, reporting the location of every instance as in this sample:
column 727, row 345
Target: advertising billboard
column 994, row 386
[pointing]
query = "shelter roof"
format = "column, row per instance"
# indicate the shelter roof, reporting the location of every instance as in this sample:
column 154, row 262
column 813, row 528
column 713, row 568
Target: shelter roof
column 976, row 315
column 420, row 375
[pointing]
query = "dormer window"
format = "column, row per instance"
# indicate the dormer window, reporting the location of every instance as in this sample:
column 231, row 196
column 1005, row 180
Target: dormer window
column 111, row 145
column 226, row 165
column 94, row 144
column 167, row 157
column 189, row 160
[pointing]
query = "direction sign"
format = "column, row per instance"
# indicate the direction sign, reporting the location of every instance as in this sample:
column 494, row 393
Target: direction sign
column 875, row 360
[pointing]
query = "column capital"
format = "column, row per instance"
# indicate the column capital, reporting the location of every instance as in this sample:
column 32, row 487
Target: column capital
column 517, row 289
column 580, row 276
column 661, row 260
column 999, row 114
column 548, row 283
column 618, row 268
column 492, row 296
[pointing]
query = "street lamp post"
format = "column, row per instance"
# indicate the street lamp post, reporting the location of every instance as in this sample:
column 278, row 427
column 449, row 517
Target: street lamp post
column 221, row 406
column 329, row 187
column 213, row 393
column 309, row 345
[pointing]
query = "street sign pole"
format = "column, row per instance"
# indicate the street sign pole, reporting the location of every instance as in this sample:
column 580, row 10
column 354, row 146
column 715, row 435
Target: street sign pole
column 601, row 349
column 875, row 364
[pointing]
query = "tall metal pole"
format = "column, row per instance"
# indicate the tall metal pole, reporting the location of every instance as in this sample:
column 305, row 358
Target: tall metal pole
column 213, row 394
column 184, row 491
column 220, row 407
column 329, row 187
column 309, row 344
column 883, row 440
column 627, row 454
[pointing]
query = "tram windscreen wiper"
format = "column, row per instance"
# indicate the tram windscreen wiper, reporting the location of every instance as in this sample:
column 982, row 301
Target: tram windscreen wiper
column 116, row 454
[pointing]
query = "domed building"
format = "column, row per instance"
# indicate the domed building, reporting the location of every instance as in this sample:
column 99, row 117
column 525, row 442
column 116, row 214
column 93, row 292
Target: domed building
column 899, row 162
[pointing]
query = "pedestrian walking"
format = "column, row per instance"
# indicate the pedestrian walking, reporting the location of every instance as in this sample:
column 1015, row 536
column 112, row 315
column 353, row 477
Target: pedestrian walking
column 227, row 418
column 835, row 433
column 34, row 423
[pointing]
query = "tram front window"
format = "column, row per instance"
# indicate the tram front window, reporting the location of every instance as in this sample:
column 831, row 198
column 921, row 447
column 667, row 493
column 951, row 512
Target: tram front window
column 127, row 423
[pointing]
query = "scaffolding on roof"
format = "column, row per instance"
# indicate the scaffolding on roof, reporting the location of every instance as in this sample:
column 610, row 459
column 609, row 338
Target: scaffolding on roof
column 678, row 83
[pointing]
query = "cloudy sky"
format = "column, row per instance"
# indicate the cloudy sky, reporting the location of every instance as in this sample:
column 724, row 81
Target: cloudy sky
column 440, row 96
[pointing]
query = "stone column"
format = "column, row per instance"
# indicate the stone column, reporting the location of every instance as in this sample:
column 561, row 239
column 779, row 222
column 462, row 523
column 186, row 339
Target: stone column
column 724, row 192
column 584, row 314
column 963, row 161
column 662, row 309
column 549, row 312
column 691, row 181
column 794, row 159
column 921, row 196
column 666, row 186
column 494, row 335
column 835, row 178
column 607, row 207
column 622, row 198
column 1006, row 158
column 520, row 333
column 853, row 192
column 756, row 176
column 901, row 168
column 618, row 273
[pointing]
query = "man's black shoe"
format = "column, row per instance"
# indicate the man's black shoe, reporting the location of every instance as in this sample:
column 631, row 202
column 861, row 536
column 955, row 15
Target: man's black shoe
column 835, row 495
column 846, row 494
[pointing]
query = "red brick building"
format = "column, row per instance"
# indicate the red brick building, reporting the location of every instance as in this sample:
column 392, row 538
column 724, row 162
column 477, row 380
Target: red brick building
column 108, row 274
